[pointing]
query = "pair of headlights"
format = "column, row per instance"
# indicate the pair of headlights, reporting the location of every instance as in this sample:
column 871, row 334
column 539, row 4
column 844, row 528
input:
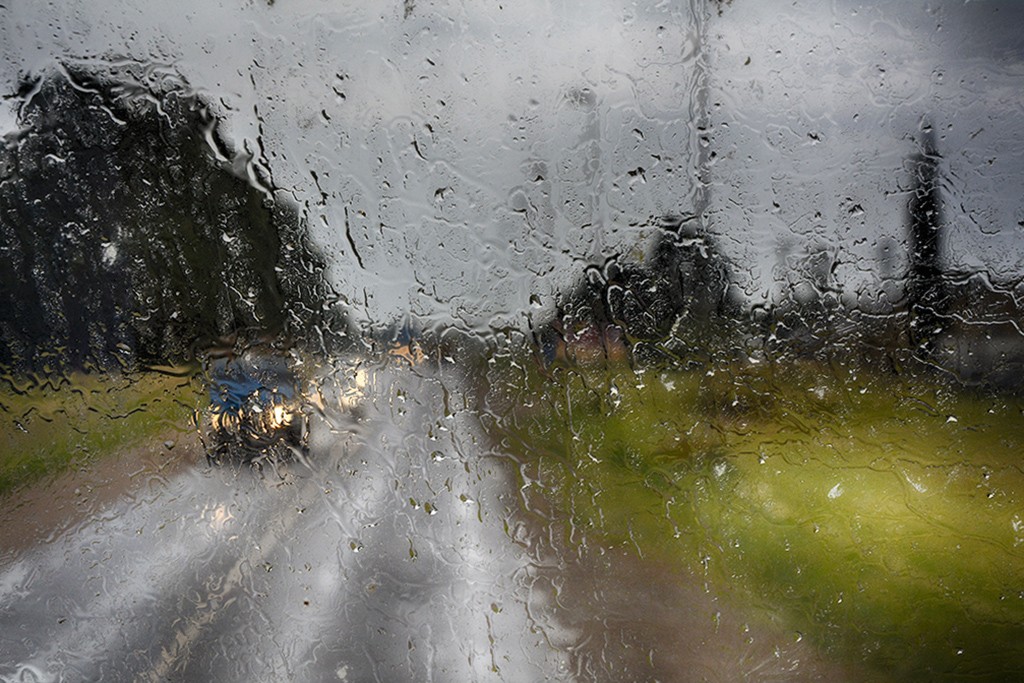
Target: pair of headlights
column 272, row 418
column 255, row 405
column 258, row 405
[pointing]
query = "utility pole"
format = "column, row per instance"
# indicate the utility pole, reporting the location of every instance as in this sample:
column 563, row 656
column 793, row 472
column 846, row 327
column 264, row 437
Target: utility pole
column 926, row 300
column 702, row 119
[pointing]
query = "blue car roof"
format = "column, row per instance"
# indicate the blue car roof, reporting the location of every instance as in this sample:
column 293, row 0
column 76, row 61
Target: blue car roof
column 232, row 383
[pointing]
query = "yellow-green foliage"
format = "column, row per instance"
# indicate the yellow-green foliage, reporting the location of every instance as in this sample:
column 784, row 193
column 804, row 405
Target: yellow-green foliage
column 49, row 425
column 883, row 517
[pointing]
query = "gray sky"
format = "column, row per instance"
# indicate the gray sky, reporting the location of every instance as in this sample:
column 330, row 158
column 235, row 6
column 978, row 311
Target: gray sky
column 813, row 131
column 485, row 152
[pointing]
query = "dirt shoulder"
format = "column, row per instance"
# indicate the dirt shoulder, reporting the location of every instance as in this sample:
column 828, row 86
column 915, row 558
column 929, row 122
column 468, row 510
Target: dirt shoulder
column 44, row 511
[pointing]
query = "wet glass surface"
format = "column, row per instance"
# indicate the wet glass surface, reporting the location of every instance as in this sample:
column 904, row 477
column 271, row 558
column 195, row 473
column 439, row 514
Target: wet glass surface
column 413, row 340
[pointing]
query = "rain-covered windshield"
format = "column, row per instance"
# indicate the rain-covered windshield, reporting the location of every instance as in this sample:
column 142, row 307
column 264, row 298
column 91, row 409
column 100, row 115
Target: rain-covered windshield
column 610, row 341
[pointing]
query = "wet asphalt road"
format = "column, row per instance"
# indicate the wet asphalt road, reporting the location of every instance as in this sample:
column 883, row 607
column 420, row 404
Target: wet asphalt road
column 389, row 554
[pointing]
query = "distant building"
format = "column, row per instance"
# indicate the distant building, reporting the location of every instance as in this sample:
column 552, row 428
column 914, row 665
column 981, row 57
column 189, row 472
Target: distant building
column 981, row 335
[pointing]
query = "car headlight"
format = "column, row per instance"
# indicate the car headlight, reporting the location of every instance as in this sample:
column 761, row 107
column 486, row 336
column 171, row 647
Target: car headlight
column 280, row 417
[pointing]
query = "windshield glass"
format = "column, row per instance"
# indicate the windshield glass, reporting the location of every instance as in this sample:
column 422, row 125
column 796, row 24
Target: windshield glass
column 532, row 340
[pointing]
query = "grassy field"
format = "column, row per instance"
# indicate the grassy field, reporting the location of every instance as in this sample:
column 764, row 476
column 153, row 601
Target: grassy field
column 51, row 425
column 881, row 517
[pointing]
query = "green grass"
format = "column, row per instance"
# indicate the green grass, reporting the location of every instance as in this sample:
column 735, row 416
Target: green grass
column 880, row 516
column 50, row 425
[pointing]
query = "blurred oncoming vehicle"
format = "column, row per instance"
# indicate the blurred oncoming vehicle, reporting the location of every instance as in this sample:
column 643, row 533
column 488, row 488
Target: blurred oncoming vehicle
column 256, row 408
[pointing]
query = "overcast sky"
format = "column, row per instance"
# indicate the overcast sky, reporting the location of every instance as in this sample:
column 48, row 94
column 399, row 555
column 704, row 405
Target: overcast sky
column 486, row 152
column 815, row 128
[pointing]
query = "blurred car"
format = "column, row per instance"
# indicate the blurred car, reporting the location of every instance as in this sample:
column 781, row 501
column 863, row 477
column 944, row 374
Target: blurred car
column 256, row 409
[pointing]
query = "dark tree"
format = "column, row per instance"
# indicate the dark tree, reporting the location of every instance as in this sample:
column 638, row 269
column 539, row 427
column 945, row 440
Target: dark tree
column 123, row 238
column 676, row 303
